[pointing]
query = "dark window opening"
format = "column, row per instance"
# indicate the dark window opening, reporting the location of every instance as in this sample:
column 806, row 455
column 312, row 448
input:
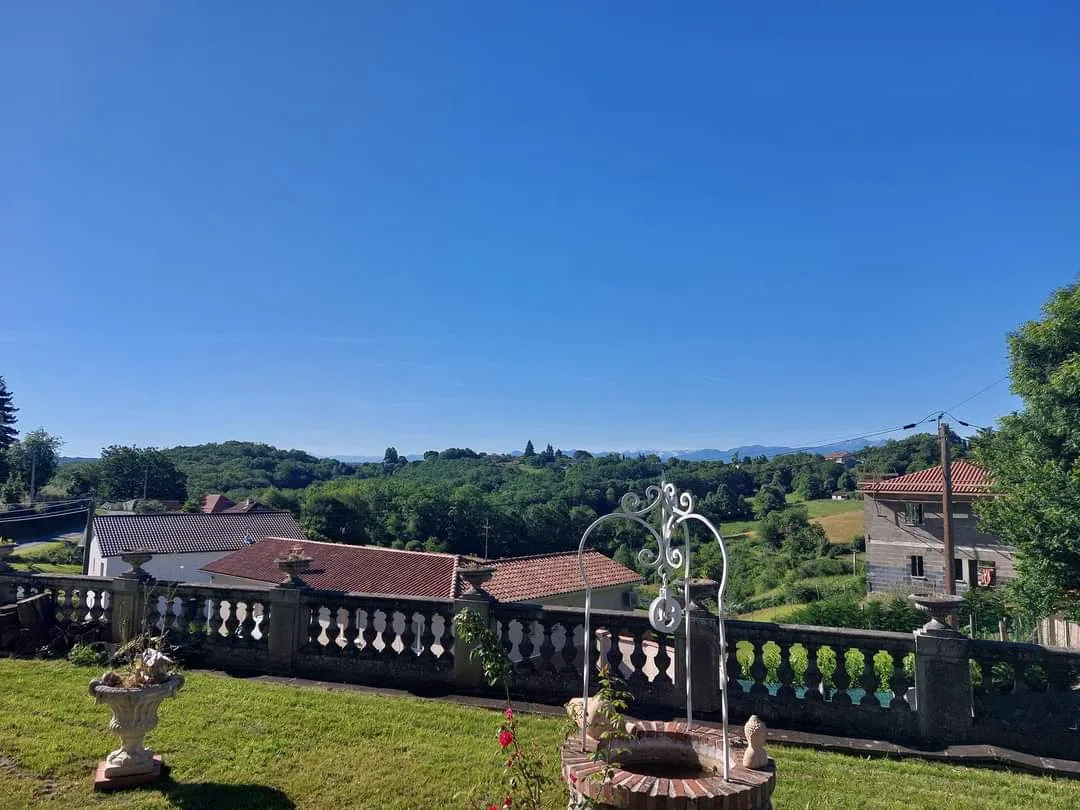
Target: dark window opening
column 914, row 514
column 916, row 566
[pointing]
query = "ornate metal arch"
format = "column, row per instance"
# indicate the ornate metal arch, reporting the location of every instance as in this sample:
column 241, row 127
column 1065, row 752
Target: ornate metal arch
column 676, row 511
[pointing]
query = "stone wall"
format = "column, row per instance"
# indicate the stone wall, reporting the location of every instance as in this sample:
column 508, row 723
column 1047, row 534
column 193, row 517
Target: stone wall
column 933, row 687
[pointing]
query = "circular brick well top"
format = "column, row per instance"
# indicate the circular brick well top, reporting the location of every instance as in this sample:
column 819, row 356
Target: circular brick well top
column 669, row 765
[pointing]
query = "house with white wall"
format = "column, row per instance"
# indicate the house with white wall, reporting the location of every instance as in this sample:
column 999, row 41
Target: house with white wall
column 181, row 542
column 550, row 579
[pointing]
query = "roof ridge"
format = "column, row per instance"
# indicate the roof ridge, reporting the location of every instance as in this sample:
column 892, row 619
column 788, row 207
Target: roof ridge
column 195, row 514
column 367, row 546
column 545, row 554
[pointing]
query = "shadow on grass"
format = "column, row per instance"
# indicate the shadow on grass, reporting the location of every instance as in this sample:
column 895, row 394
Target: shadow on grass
column 212, row 796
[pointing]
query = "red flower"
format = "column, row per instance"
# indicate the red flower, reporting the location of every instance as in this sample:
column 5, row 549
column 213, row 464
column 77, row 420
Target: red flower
column 573, row 779
column 507, row 802
column 506, row 737
column 509, row 713
column 493, row 807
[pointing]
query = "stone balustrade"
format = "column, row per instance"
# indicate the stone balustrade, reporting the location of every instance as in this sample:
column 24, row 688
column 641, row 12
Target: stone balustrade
column 932, row 687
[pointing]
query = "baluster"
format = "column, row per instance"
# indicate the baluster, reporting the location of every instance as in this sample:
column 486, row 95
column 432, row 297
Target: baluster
column 569, row 649
column 232, row 621
column 546, row 661
column 785, row 673
column 215, row 621
column 813, row 674
column 352, row 633
column 427, row 637
column 504, row 637
column 614, row 658
column 638, row 659
column 843, row 681
column 106, row 607
column 757, row 670
column 734, row 669
column 898, row 683
column 315, row 626
column 170, row 618
column 63, row 606
column 662, row 660
column 869, row 680
column 333, row 628
column 408, row 635
column 247, row 627
column 369, row 634
column 1020, row 686
column 526, row 646
column 153, row 613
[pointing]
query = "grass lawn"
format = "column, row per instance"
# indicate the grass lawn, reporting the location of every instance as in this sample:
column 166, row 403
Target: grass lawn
column 48, row 568
column 779, row 613
column 243, row 745
column 842, row 528
column 37, row 551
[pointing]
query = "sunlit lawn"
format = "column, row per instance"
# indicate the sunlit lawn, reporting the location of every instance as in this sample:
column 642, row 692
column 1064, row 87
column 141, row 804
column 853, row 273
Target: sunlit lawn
column 236, row 744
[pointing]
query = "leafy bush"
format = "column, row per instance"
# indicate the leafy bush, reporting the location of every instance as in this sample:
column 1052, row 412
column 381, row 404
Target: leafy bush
column 88, row 655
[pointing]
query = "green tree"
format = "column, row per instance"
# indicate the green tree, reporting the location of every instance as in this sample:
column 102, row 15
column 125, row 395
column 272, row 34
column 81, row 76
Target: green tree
column 1034, row 460
column 390, row 456
column 126, row 472
column 34, row 460
column 530, row 451
column 7, row 417
column 770, row 498
column 808, row 486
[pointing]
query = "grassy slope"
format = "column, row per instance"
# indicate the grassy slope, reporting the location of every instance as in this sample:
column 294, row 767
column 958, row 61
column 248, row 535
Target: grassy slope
column 247, row 746
column 779, row 613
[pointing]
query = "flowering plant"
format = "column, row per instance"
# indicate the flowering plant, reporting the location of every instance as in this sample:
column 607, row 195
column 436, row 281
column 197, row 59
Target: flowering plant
column 526, row 771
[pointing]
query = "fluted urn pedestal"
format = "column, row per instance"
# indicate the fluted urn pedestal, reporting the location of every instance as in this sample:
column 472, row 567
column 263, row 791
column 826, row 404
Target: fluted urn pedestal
column 134, row 716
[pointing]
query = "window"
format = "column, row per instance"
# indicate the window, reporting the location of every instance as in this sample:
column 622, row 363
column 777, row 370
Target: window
column 958, row 570
column 914, row 516
column 916, row 566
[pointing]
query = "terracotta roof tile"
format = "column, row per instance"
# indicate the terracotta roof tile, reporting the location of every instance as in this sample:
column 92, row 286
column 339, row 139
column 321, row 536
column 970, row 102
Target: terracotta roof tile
column 376, row 570
column 188, row 533
column 524, row 579
column 350, row 569
column 212, row 504
column 967, row 479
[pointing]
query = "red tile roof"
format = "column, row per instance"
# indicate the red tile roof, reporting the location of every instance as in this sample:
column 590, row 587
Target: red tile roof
column 967, row 479
column 212, row 504
column 351, row 569
column 376, row 570
column 526, row 579
column 190, row 532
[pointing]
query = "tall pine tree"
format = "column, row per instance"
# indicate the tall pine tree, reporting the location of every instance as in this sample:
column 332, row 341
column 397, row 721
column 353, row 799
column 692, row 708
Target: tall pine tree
column 7, row 417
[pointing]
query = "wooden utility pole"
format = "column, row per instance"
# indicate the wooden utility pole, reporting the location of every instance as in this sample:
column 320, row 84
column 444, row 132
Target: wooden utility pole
column 946, row 509
column 487, row 531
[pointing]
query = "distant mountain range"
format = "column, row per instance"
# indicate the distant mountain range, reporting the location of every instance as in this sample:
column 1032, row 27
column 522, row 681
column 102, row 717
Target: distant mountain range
column 705, row 454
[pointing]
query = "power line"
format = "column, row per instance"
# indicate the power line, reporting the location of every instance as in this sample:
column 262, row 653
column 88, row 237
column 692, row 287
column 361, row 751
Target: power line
column 978, row 393
column 44, row 516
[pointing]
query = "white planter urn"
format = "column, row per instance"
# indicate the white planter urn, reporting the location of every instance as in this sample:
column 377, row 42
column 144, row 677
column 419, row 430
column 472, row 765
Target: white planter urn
column 134, row 715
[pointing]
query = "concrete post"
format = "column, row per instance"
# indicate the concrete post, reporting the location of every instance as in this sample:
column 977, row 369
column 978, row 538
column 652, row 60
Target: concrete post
column 704, row 663
column 469, row 673
column 943, row 684
column 126, row 596
column 284, row 634
column 128, row 592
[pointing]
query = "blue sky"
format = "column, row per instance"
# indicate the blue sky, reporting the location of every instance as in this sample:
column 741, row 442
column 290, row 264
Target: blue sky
column 341, row 226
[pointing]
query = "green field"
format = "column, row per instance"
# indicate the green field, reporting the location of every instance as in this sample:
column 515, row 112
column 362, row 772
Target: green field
column 238, row 744
column 779, row 613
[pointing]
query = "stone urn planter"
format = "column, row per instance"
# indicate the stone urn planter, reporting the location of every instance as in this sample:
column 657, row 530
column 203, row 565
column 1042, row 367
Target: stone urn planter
column 295, row 565
column 134, row 715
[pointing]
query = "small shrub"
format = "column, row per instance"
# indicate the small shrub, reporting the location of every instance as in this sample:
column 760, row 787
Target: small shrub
column 88, row 655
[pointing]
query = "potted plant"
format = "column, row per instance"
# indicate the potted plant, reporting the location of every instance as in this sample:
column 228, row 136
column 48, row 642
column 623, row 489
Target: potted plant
column 134, row 693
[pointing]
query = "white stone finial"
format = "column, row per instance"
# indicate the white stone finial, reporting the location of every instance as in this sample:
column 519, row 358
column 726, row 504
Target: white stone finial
column 594, row 716
column 755, row 755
